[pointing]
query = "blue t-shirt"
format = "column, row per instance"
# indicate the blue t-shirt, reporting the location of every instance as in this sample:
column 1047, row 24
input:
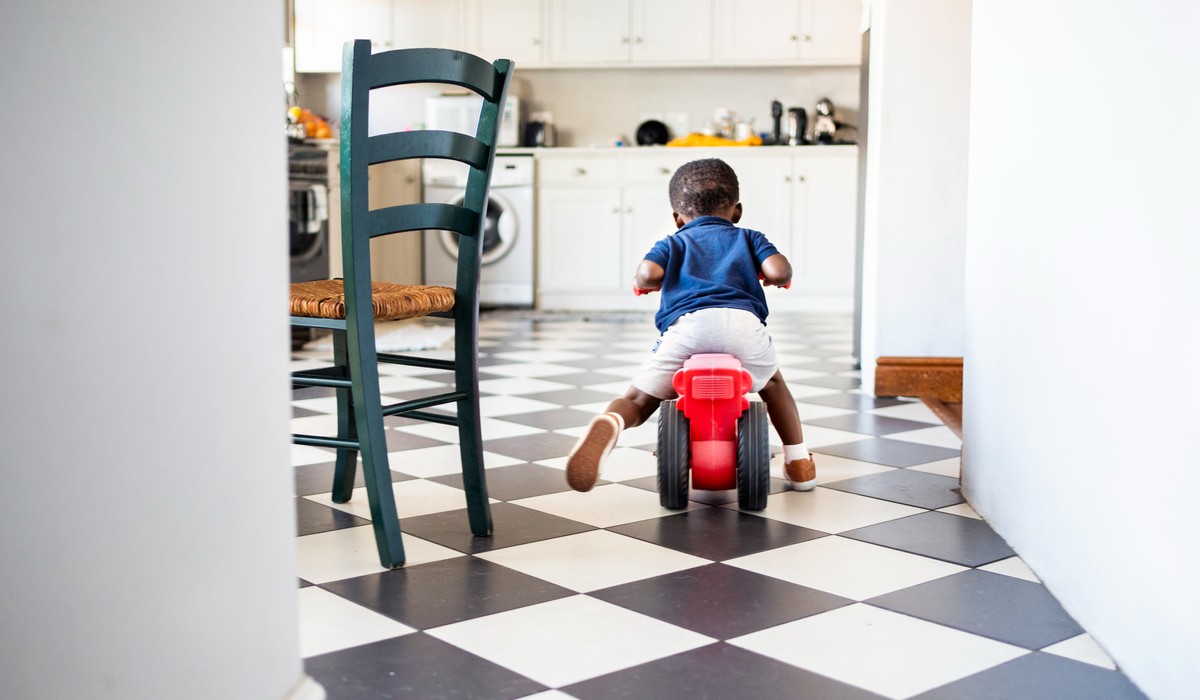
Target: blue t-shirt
column 710, row 263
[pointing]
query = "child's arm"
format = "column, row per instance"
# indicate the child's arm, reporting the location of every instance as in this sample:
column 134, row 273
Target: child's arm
column 777, row 271
column 649, row 276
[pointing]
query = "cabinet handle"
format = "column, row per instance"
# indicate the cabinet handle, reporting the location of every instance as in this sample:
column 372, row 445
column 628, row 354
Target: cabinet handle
column 638, row 40
column 579, row 171
column 807, row 37
column 800, row 178
column 537, row 41
column 664, row 171
column 787, row 178
column 628, row 210
column 624, row 40
column 793, row 37
column 616, row 210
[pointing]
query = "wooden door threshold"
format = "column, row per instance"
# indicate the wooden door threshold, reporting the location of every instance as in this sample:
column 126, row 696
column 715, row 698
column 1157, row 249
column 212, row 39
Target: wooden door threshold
column 948, row 413
column 937, row 381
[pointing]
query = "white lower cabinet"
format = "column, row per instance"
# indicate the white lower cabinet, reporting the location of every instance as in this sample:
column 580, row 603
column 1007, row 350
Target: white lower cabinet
column 599, row 214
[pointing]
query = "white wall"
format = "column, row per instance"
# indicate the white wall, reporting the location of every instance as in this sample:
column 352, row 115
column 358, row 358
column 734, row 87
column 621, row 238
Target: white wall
column 1082, row 301
column 590, row 106
column 915, row 208
column 148, row 547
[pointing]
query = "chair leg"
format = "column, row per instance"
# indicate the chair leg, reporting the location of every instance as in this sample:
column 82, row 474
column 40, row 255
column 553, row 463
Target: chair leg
column 368, row 414
column 470, row 440
column 347, row 460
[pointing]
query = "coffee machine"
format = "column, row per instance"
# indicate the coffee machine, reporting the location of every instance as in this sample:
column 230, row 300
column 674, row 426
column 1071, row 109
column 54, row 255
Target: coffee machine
column 824, row 125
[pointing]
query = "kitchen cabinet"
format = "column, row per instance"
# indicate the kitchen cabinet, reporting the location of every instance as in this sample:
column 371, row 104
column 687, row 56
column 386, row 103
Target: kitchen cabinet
column 324, row 26
column 600, row 212
column 816, row 32
column 512, row 29
column 629, row 32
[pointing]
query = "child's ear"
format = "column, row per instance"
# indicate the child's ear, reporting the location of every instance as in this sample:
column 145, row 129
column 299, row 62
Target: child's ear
column 737, row 213
column 679, row 221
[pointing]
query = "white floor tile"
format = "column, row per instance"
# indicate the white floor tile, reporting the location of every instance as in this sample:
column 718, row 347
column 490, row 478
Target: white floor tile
column 891, row 654
column 831, row 468
column 329, row 623
column 945, row 467
column 914, row 410
column 592, row 560
column 803, row 391
column 963, row 509
column 544, row 355
column 1083, row 648
column 939, row 436
column 1012, row 566
column 812, row 411
column 816, row 437
column 845, row 567
column 324, row 425
column 303, row 455
column 569, row 640
column 530, row 369
column 490, row 428
column 324, row 404
column 413, row 498
column 615, row 388
column 399, row 384
column 519, row 386
column 833, row 511
column 443, row 459
column 603, row 506
column 351, row 551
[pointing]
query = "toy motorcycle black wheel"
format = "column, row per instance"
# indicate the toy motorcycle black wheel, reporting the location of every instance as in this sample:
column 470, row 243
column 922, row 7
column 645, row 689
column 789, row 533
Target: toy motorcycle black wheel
column 674, row 456
column 753, row 458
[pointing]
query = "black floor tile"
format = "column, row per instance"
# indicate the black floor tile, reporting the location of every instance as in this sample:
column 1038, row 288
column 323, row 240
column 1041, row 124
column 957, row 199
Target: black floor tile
column 398, row 441
column 711, row 498
column 717, row 534
column 716, row 671
column 826, row 366
column 317, row 478
column 952, row 538
column 517, row 481
column 312, row 518
column 869, row 424
column 467, row 588
column 914, row 488
column 856, row 402
column 414, row 666
column 512, row 525
column 892, row 453
column 991, row 605
column 1039, row 676
column 298, row 412
column 593, row 362
column 586, row 378
column 712, row 600
column 553, row 419
column 531, row 448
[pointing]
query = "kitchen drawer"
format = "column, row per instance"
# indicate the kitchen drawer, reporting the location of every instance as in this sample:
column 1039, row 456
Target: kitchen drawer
column 578, row 171
column 658, row 167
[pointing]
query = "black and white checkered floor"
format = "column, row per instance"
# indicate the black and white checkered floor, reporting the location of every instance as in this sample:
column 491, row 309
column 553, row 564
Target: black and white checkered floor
column 882, row 582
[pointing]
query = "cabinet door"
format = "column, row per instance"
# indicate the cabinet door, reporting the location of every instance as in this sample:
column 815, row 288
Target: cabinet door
column 579, row 239
column 424, row 24
column 510, row 29
column 589, row 31
column 825, row 209
column 766, row 188
column 647, row 218
column 323, row 26
column 768, row 33
column 396, row 258
column 671, row 31
column 829, row 31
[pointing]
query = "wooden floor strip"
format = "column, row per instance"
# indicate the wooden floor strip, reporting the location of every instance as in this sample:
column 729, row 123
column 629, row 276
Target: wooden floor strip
column 949, row 413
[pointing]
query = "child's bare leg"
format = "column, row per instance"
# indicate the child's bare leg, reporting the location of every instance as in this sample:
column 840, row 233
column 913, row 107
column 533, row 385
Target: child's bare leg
column 585, row 460
column 798, row 464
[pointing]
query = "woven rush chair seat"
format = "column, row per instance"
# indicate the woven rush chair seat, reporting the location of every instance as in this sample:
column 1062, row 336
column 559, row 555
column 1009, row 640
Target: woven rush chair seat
column 390, row 302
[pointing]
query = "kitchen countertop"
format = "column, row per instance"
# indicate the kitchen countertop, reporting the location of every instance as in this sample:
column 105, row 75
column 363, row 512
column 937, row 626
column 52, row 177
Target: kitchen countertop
column 651, row 150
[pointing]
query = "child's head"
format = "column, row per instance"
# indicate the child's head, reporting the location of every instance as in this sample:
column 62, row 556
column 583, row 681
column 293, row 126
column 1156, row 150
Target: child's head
column 704, row 187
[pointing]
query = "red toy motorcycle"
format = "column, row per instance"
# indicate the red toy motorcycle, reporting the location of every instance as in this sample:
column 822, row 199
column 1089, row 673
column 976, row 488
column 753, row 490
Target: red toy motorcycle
column 713, row 431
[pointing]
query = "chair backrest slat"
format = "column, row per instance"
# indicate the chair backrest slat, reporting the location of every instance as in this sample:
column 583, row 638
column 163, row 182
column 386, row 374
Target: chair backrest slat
column 401, row 145
column 416, row 217
column 408, row 66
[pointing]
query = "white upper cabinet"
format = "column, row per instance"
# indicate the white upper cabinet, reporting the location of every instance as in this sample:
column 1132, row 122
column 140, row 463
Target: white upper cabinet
column 630, row 32
column 512, row 29
column 424, row 24
column 788, row 32
column 324, row 26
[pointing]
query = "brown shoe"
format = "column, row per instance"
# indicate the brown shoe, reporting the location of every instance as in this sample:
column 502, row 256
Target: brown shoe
column 801, row 473
column 583, row 464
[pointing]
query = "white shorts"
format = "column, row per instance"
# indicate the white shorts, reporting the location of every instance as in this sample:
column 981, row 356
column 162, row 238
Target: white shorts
column 733, row 331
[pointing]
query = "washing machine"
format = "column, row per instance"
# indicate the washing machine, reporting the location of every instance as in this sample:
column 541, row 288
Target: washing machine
column 506, row 275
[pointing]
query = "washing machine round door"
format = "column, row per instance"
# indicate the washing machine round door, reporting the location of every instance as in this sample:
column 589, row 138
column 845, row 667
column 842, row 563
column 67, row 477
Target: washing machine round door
column 499, row 229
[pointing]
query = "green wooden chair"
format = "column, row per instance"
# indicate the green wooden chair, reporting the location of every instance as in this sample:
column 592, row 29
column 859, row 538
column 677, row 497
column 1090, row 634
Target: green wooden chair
column 350, row 309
